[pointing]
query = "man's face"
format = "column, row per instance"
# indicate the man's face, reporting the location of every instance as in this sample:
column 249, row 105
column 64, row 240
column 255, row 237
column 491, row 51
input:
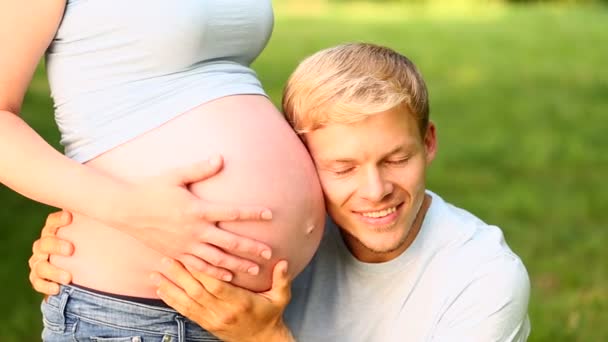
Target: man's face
column 373, row 177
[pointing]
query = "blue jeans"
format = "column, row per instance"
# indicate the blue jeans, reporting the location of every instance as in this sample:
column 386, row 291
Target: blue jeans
column 79, row 315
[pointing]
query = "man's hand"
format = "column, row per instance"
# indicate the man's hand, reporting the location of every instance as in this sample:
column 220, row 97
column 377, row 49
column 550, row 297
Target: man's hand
column 164, row 214
column 44, row 277
column 229, row 312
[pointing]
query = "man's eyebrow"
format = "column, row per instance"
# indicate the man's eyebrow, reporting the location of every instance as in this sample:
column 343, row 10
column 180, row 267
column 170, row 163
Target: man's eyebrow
column 331, row 162
column 398, row 149
column 403, row 148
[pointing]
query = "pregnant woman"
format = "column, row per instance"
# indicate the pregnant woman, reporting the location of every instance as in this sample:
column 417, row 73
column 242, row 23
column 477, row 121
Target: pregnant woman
column 143, row 88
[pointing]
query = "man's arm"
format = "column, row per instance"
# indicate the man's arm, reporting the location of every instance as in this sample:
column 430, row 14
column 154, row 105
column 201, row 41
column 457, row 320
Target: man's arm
column 229, row 312
column 492, row 307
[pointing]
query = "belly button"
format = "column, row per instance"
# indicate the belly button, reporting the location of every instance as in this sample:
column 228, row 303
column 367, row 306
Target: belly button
column 310, row 229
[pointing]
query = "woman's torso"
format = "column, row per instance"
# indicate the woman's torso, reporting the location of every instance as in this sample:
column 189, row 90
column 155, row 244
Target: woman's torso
column 190, row 106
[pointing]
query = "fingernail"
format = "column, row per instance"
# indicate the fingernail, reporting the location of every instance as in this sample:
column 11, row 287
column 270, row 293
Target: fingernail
column 166, row 261
column 254, row 270
column 214, row 161
column 227, row 277
column 267, row 214
column 285, row 268
column 266, row 254
column 155, row 278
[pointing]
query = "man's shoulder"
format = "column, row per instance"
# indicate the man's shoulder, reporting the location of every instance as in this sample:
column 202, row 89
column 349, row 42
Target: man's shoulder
column 489, row 303
column 460, row 231
column 487, row 281
column 483, row 257
column 470, row 245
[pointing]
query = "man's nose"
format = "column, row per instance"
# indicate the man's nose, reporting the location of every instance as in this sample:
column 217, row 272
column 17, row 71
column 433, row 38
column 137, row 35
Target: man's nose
column 374, row 185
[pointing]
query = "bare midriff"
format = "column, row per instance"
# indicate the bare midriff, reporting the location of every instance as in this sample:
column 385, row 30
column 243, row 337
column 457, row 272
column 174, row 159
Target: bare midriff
column 264, row 164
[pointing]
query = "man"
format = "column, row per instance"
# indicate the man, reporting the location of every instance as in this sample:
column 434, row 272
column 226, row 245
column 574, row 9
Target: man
column 397, row 262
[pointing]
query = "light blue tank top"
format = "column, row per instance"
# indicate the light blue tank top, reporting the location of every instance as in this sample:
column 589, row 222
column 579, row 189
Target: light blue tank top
column 119, row 68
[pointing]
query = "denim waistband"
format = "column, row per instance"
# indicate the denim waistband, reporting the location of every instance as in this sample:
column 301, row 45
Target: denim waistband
column 141, row 300
column 109, row 311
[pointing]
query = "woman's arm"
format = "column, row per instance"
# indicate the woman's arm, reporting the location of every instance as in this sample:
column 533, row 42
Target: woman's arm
column 155, row 212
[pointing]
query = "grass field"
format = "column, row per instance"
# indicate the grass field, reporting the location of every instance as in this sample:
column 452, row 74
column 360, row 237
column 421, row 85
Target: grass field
column 520, row 98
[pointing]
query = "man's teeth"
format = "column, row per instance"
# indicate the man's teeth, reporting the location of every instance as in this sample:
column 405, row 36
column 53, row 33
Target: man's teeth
column 381, row 213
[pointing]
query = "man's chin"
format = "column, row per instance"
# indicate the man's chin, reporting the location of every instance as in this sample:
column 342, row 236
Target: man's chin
column 382, row 248
column 381, row 243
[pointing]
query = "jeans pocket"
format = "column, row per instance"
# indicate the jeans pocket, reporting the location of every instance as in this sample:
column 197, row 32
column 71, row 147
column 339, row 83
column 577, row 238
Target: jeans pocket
column 92, row 331
column 52, row 317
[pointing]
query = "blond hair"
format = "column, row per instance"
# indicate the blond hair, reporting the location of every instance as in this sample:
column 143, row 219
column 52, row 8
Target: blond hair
column 350, row 82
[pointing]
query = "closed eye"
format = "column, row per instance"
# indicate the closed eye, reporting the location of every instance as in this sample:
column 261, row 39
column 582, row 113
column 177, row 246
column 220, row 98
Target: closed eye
column 398, row 161
column 343, row 171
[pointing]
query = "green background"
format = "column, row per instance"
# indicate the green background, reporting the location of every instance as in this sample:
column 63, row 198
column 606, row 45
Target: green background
column 519, row 94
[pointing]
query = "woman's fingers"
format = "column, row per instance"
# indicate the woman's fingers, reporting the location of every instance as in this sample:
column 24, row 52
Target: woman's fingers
column 214, row 212
column 195, row 172
column 219, row 258
column 215, row 255
column 202, row 266
column 233, row 243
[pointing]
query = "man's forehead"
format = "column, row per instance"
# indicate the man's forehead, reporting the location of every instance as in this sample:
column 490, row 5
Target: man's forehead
column 379, row 133
column 348, row 154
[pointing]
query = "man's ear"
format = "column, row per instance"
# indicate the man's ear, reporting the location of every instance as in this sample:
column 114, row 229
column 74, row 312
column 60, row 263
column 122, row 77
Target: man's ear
column 430, row 142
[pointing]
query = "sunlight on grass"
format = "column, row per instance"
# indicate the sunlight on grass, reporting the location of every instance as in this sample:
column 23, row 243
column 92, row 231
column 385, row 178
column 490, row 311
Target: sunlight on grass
column 391, row 11
column 466, row 76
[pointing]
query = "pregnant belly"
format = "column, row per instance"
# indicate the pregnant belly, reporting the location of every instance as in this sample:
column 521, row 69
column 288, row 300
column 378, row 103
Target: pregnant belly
column 264, row 164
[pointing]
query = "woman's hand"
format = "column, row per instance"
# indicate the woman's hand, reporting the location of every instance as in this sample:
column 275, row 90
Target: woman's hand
column 229, row 312
column 44, row 277
column 165, row 215
column 175, row 222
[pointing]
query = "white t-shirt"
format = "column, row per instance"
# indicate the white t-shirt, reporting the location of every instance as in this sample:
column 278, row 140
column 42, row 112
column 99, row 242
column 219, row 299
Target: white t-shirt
column 458, row 281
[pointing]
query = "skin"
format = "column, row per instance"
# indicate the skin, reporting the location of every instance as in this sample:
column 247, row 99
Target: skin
column 259, row 318
column 368, row 166
column 163, row 202
column 48, row 244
